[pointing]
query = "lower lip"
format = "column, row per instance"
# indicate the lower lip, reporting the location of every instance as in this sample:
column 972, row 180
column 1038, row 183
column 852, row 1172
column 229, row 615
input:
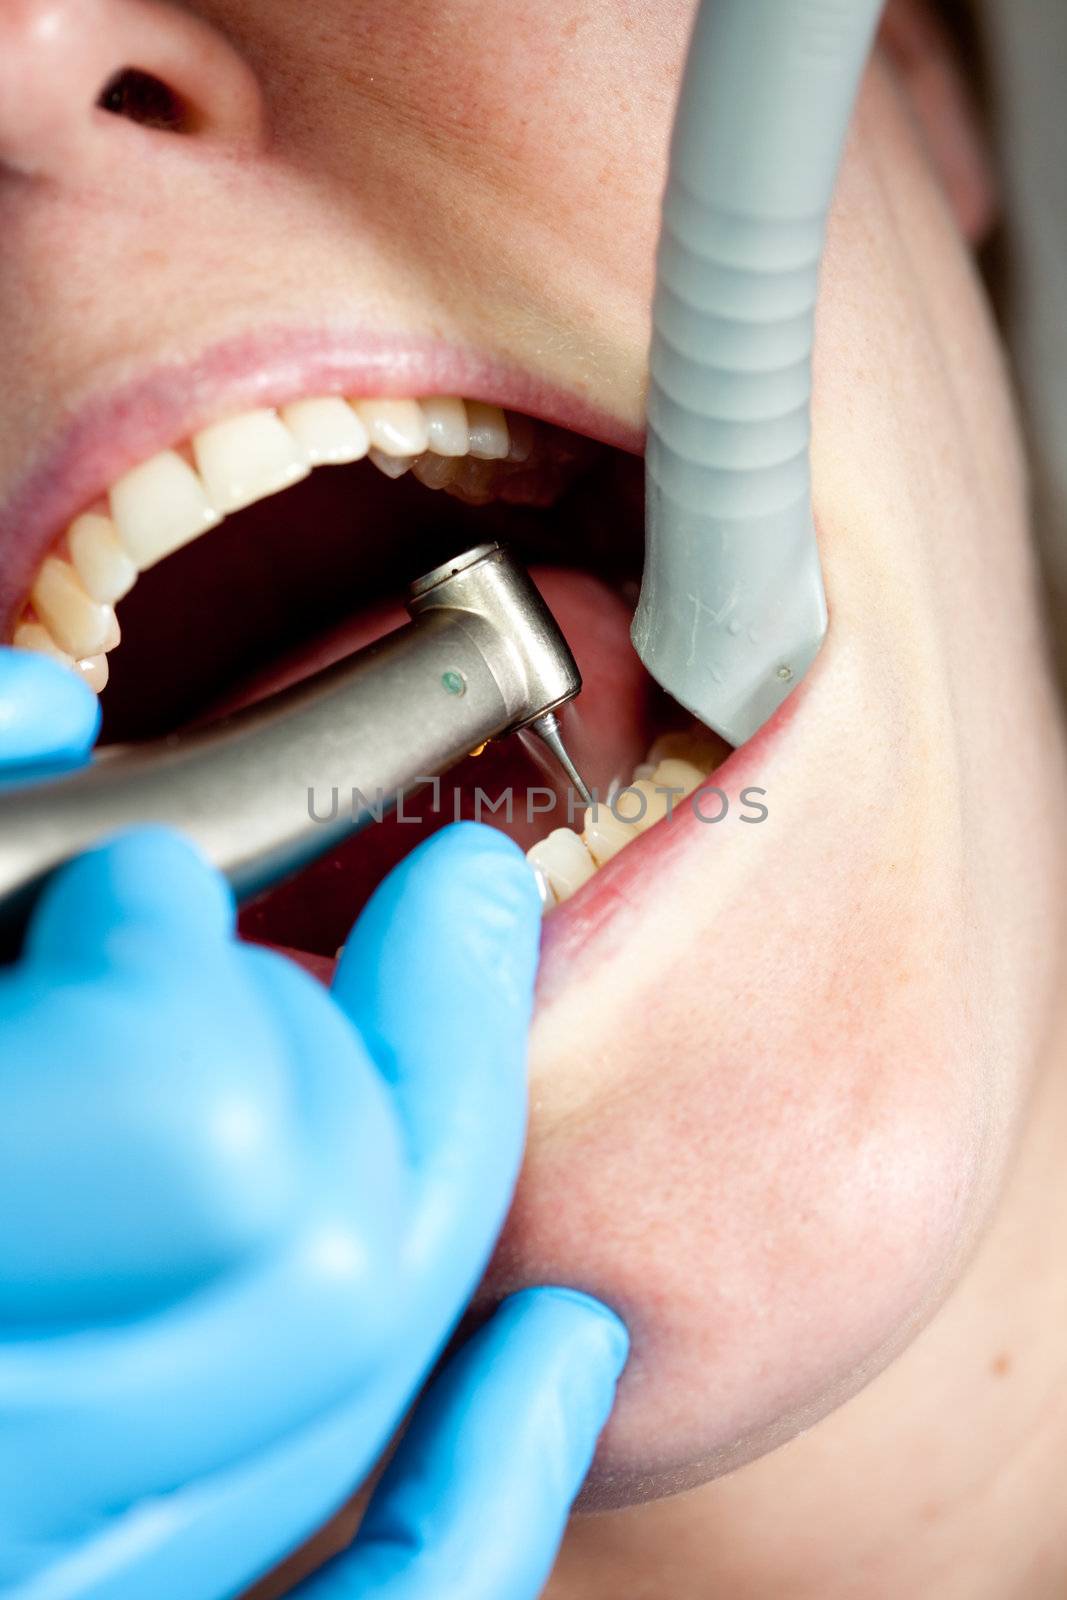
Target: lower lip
column 580, row 932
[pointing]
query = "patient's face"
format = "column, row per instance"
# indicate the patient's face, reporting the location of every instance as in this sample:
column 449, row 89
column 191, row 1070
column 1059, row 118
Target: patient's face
column 776, row 1067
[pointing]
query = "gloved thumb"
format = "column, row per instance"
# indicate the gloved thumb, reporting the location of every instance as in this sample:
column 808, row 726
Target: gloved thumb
column 438, row 977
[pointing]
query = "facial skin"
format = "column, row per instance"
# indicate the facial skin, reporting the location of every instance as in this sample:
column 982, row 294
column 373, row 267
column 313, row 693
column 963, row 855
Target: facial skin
column 784, row 1100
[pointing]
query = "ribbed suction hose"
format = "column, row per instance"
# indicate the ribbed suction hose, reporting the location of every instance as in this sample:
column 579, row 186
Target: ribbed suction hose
column 732, row 610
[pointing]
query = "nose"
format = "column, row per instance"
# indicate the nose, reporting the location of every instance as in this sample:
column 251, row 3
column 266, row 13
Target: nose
column 67, row 65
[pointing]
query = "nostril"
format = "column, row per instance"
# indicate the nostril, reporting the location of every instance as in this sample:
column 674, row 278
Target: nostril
column 81, row 79
column 145, row 99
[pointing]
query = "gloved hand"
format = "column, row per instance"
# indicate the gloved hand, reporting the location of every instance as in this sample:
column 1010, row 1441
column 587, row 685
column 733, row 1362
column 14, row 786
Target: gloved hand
column 240, row 1215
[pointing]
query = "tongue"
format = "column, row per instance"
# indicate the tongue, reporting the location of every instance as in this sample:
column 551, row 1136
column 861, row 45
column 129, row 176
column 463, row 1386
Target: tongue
column 607, row 731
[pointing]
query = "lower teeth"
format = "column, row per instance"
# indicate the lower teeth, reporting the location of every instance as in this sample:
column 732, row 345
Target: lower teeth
column 677, row 764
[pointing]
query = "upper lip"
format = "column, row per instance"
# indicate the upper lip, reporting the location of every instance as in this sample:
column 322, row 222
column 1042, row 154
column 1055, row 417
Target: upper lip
column 116, row 429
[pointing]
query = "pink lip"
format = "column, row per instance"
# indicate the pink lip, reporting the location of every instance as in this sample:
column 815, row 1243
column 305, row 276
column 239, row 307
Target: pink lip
column 115, row 431
column 573, row 932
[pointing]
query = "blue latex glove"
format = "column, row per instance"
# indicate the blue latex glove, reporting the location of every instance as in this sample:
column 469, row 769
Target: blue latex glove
column 241, row 1215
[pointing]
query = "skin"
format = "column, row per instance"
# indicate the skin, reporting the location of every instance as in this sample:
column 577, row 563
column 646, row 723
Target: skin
column 798, row 1104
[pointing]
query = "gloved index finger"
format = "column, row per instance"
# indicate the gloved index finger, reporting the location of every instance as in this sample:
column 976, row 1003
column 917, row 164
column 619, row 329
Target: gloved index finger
column 438, row 977
column 475, row 1502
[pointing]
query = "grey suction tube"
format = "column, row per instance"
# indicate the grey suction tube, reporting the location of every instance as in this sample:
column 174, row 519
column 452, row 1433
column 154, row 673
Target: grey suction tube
column 732, row 610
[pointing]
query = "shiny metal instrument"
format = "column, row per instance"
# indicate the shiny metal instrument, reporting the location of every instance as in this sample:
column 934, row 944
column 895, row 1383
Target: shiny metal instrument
column 482, row 657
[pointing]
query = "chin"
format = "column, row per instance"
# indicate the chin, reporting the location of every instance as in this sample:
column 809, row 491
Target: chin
column 774, row 1192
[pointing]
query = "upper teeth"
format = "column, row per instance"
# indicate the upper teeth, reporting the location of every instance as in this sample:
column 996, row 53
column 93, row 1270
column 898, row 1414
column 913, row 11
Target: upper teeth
column 171, row 499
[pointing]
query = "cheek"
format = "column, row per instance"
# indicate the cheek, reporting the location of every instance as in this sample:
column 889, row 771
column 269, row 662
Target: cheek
column 761, row 1120
column 772, row 1204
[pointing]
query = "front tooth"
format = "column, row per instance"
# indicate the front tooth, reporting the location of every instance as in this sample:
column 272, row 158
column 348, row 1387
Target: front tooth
column 487, row 430
column 106, row 571
column 160, row 506
column 78, row 623
column 396, row 426
column 247, row 458
column 328, row 431
column 392, row 466
column 446, row 424
column 34, row 636
column 564, row 861
column 605, row 834
column 544, row 888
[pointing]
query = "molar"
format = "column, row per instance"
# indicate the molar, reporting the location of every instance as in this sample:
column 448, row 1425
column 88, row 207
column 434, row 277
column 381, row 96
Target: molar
column 699, row 746
column 675, row 773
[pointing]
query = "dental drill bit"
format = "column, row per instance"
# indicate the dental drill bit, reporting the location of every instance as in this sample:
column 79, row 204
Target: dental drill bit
column 547, row 730
column 260, row 792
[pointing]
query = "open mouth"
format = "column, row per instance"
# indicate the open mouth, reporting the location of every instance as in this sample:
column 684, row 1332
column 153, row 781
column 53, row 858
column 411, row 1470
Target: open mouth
column 277, row 540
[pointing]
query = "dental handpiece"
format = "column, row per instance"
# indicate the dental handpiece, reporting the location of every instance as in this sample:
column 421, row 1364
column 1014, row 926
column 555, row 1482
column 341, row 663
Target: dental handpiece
column 732, row 610
column 482, row 657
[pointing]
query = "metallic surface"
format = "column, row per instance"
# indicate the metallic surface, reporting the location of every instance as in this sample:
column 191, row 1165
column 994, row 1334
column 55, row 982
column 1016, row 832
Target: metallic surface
column 547, row 729
column 532, row 665
column 283, row 781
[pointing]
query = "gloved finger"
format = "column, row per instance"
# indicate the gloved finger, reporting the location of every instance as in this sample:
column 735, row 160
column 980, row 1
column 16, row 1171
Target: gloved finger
column 438, row 977
column 48, row 715
column 475, row 1502
column 143, row 885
